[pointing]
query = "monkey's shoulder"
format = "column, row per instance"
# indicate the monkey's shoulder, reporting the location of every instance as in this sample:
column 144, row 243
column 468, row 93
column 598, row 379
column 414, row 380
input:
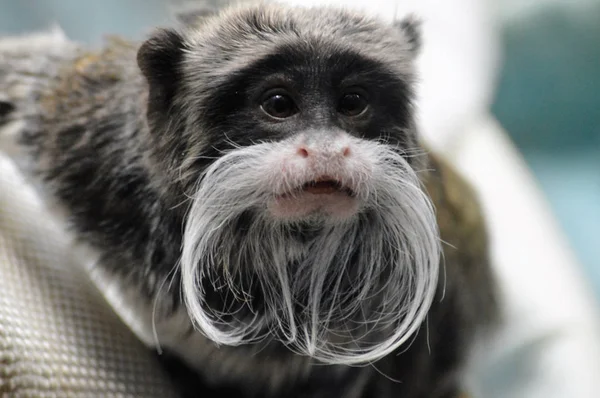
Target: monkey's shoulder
column 459, row 213
column 465, row 241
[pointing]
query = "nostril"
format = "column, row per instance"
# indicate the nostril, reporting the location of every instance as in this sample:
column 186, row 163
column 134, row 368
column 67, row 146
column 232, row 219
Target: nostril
column 303, row 152
column 346, row 151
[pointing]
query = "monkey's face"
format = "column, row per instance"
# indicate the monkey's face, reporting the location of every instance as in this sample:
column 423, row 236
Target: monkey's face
column 293, row 131
column 319, row 111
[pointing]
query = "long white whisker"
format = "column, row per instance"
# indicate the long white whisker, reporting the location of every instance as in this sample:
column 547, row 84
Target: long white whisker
column 351, row 294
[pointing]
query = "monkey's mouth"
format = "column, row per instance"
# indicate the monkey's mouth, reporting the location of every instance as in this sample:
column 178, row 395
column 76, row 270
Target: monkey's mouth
column 325, row 186
column 324, row 196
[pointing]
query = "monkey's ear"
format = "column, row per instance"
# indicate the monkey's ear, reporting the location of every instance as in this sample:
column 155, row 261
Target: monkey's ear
column 159, row 59
column 6, row 108
column 410, row 27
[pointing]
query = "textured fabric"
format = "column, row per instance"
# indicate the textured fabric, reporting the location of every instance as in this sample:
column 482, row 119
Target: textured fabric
column 58, row 336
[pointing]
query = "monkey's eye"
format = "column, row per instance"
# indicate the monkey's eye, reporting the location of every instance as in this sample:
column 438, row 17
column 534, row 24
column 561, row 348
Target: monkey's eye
column 279, row 105
column 352, row 104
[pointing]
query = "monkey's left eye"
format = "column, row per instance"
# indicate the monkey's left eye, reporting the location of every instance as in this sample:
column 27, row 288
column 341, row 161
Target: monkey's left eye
column 352, row 104
column 279, row 105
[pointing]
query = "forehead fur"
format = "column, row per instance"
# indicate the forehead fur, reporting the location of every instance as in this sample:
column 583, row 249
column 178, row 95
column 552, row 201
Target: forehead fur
column 241, row 35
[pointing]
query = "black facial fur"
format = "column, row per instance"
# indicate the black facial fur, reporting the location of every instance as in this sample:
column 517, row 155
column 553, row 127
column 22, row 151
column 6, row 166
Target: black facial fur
column 231, row 113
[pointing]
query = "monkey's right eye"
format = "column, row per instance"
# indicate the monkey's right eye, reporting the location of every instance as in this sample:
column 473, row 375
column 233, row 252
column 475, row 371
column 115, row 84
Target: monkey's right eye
column 279, row 105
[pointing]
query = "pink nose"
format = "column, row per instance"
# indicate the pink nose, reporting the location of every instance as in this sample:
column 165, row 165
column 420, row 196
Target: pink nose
column 305, row 152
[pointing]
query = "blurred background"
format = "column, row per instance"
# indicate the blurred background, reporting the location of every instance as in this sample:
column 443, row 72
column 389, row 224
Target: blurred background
column 547, row 96
column 548, row 100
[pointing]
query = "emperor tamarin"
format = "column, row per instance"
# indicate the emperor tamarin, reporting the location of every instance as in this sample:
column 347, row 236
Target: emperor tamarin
column 255, row 182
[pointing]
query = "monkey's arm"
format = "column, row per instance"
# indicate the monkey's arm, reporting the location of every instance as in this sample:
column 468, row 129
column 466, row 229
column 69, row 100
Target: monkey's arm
column 467, row 291
column 464, row 237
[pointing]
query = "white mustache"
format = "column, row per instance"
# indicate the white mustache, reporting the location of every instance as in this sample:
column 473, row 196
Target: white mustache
column 356, row 292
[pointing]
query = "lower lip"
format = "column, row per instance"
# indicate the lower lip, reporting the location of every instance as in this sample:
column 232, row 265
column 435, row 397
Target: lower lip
column 328, row 201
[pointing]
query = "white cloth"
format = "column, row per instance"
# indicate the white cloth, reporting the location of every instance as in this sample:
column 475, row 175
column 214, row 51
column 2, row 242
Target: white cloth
column 549, row 343
column 58, row 336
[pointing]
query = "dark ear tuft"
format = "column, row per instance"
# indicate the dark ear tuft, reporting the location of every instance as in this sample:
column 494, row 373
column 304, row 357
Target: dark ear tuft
column 6, row 107
column 159, row 59
column 410, row 27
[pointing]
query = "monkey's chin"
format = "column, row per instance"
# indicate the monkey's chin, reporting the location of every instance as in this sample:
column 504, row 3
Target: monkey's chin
column 334, row 206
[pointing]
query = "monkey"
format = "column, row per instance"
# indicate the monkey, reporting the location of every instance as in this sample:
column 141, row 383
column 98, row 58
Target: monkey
column 254, row 183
